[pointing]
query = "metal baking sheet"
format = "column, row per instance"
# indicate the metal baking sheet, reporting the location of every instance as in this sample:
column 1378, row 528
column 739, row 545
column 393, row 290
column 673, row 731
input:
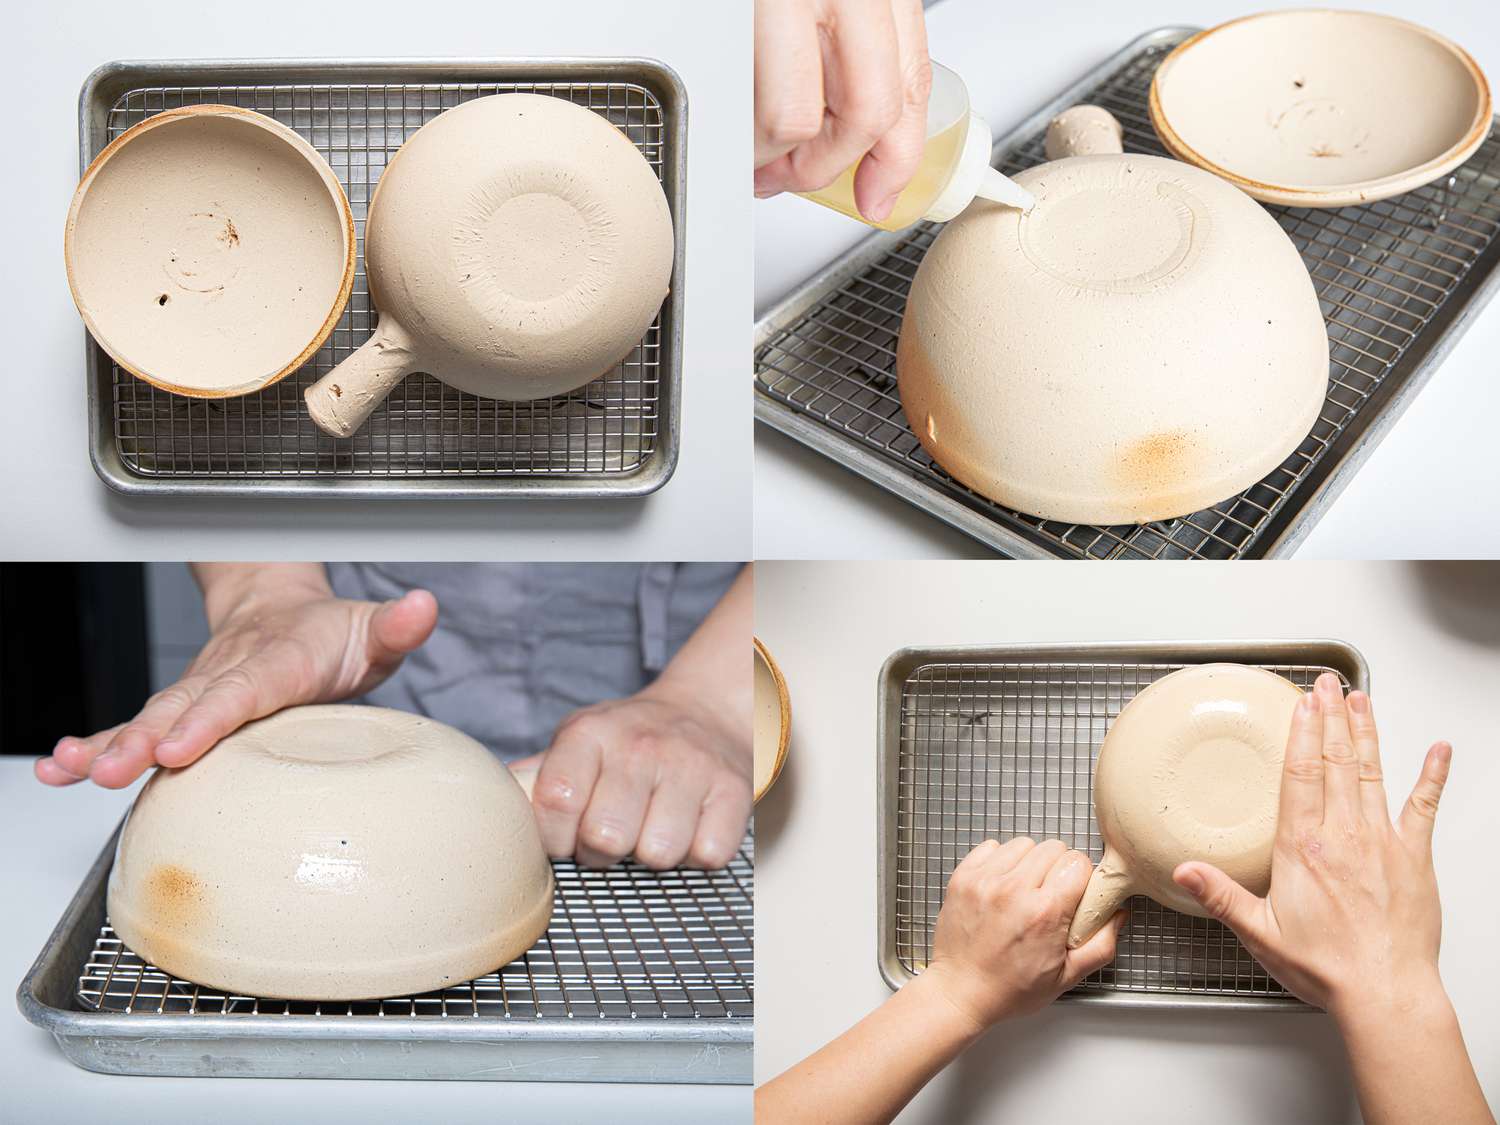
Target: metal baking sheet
column 995, row 742
column 616, row 437
column 1398, row 282
column 642, row 977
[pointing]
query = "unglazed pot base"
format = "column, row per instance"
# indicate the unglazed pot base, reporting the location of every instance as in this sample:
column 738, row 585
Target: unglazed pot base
column 1321, row 108
column 332, row 853
column 1144, row 343
column 1190, row 770
column 773, row 720
column 210, row 251
column 518, row 246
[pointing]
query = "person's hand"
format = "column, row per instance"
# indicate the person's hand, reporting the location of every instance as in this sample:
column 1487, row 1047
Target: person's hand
column 276, row 644
column 1352, row 916
column 658, row 774
column 1000, row 948
column 836, row 80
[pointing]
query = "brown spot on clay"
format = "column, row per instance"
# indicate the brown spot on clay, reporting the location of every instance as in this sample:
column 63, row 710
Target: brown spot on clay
column 174, row 898
column 338, row 391
column 1157, row 470
column 1324, row 151
column 232, row 236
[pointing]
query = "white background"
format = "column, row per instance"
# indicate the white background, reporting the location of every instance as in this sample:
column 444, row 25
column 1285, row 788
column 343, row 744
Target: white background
column 1431, row 636
column 51, row 503
column 49, row 837
column 1414, row 498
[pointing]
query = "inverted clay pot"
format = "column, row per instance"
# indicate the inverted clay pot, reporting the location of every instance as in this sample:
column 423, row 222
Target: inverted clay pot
column 210, row 251
column 1144, row 343
column 1321, row 108
column 1190, row 770
column 518, row 246
column 332, row 853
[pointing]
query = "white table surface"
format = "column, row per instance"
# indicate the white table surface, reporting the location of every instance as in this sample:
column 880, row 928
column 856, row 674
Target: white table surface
column 1016, row 57
column 1431, row 635
column 48, row 839
column 51, row 503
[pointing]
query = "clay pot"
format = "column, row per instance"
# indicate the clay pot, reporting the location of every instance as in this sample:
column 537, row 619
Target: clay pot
column 332, row 853
column 518, row 246
column 1144, row 343
column 1321, row 108
column 210, row 251
column 1190, row 770
column 773, row 721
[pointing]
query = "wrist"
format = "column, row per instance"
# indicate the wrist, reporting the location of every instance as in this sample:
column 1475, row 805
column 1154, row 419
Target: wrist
column 936, row 991
column 704, row 699
column 1412, row 1002
column 233, row 591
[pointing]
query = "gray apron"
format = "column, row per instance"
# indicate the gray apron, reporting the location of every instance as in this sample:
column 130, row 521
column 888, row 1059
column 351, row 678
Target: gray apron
column 519, row 646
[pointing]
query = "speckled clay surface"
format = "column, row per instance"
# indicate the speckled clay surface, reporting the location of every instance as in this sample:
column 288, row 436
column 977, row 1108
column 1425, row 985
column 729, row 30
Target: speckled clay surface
column 1321, row 108
column 210, row 250
column 1144, row 343
column 1190, row 770
column 518, row 246
column 1084, row 130
column 332, row 853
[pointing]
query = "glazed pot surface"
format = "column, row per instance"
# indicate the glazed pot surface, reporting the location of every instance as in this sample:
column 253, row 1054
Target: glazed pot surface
column 1321, row 108
column 1189, row 770
column 332, row 853
column 518, row 247
column 1144, row 343
column 210, row 251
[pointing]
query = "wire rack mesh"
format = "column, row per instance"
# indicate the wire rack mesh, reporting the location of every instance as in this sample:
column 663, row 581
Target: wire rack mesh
column 624, row 943
column 425, row 429
column 1382, row 273
column 995, row 751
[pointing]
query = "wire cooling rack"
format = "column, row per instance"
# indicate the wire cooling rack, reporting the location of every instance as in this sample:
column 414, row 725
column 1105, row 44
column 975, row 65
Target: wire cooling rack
column 624, row 943
column 600, row 434
column 1383, row 272
column 994, row 751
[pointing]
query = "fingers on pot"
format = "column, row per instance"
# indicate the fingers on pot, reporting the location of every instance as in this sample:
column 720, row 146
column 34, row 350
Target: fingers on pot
column 1302, row 769
column 563, row 787
column 1341, row 801
column 1367, row 748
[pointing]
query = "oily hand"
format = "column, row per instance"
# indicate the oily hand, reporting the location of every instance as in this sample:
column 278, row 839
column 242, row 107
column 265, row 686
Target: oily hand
column 837, row 80
column 655, row 774
column 1000, row 946
column 1352, row 915
column 261, row 658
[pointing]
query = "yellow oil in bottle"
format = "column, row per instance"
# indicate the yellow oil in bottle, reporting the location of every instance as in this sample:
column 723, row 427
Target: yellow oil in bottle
column 939, row 159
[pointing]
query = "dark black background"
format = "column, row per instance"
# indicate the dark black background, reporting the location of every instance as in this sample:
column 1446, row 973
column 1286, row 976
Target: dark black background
column 73, row 650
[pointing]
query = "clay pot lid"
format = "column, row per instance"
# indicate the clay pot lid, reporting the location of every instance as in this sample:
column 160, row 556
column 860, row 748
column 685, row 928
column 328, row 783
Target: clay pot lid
column 210, row 250
column 1321, row 108
column 773, row 720
column 1189, row 770
column 332, row 853
column 1144, row 343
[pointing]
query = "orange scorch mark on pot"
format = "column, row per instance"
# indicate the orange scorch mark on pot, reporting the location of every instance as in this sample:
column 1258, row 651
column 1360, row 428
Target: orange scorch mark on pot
column 1157, row 469
column 175, row 897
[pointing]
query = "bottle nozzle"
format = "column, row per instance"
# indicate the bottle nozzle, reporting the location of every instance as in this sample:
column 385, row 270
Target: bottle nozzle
column 1000, row 188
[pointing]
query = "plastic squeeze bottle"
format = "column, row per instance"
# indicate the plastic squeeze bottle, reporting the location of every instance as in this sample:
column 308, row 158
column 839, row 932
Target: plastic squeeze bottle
column 955, row 166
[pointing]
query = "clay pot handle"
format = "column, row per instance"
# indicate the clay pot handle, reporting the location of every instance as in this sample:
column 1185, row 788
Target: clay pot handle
column 1108, row 886
column 342, row 401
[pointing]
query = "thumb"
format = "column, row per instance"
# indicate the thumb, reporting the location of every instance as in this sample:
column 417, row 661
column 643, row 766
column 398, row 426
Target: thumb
column 1220, row 896
column 1095, row 953
column 398, row 627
